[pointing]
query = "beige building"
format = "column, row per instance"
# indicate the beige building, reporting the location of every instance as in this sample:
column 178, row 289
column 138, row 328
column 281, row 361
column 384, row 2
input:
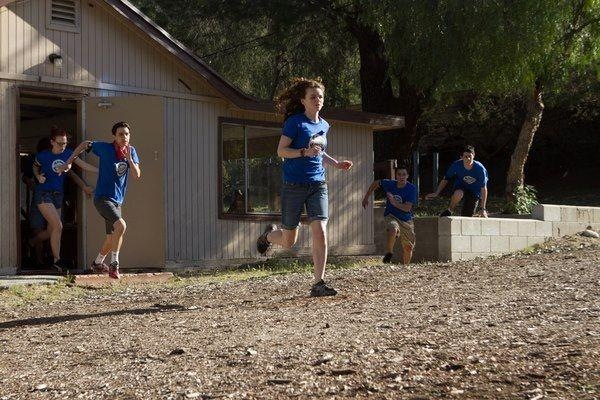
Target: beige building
column 210, row 175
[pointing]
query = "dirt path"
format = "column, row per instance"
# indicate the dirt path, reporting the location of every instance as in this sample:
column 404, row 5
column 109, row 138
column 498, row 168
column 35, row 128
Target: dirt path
column 521, row 326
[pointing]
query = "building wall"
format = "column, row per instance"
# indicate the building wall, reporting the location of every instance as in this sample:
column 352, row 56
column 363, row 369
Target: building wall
column 8, row 206
column 107, row 51
column 195, row 234
column 127, row 64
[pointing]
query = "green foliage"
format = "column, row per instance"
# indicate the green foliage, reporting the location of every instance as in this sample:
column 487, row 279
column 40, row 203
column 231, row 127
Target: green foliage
column 436, row 46
column 525, row 197
column 451, row 45
column 259, row 45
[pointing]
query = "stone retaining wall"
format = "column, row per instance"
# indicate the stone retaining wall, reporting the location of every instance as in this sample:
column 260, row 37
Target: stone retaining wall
column 463, row 238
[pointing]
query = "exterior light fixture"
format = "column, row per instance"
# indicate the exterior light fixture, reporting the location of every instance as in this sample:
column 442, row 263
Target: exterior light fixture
column 56, row 60
column 104, row 104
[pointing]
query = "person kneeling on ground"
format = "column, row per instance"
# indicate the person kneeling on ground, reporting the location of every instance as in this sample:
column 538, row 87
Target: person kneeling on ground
column 400, row 197
column 470, row 183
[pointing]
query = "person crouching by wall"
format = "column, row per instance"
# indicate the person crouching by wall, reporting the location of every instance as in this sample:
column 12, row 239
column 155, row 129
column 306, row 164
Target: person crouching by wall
column 401, row 195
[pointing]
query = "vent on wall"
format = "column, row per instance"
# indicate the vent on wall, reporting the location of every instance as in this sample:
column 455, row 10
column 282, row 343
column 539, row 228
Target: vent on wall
column 63, row 14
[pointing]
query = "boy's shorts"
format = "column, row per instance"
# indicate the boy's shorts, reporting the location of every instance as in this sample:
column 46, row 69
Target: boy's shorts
column 405, row 230
column 110, row 211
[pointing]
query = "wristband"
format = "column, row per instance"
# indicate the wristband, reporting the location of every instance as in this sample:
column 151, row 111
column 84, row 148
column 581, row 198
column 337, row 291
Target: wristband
column 302, row 152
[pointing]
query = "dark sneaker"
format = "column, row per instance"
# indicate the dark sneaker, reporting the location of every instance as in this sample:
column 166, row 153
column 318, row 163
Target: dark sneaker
column 262, row 244
column 388, row 258
column 97, row 268
column 320, row 289
column 58, row 266
column 113, row 270
column 446, row 213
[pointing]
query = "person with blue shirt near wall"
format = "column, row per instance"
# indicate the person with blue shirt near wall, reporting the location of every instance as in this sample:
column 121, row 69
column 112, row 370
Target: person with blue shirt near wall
column 116, row 161
column 37, row 223
column 302, row 145
column 400, row 195
column 49, row 192
column 470, row 185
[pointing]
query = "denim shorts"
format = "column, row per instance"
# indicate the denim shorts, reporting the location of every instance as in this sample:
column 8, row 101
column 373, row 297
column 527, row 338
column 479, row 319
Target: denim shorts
column 44, row 196
column 110, row 211
column 295, row 196
column 36, row 219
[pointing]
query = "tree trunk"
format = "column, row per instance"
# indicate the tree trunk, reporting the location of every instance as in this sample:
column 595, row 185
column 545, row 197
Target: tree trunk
column 409, row 106
column 376, row 87
column 516, row 175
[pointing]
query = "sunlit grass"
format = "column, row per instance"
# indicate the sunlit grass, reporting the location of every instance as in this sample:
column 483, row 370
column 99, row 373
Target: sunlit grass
column 64, row 290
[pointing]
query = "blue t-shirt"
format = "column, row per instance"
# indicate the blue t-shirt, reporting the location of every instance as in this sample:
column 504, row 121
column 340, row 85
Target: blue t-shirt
column 49, row 162
column 472, row 180
column 407, row 194
column 112, row 173
column 302, row 131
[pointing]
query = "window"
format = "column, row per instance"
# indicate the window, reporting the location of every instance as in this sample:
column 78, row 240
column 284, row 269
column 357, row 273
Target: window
column 249, row 171
column 63, row 15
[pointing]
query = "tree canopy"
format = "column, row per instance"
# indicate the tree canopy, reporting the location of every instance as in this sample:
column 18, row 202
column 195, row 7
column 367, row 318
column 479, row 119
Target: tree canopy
column 395, row 56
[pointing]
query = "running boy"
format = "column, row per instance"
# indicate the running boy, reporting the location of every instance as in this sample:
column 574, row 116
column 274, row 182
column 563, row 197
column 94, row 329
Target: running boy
column 116, row 161
column 470, row 183
column 400, row 197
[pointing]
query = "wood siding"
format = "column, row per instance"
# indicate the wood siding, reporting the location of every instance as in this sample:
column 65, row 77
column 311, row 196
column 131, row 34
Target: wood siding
column 108, row 50
column 194, row 232
column 8, row 173
column 110, row 58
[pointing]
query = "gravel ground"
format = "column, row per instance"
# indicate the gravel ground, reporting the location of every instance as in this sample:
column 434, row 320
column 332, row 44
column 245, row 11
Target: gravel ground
column 524, row 326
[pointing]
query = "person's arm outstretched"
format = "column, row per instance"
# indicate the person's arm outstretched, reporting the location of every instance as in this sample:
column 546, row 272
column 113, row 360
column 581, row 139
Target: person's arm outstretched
column 441, row 187
column 343, row 165
column 484, row 195
column 85, row 166
column 374, row 185
column 78, row 150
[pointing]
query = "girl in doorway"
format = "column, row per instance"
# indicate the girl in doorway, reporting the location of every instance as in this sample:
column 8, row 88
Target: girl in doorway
column 48, row 193
column 302, row 145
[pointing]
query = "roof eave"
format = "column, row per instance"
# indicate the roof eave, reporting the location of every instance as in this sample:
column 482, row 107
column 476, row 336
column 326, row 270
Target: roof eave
column 226, row 89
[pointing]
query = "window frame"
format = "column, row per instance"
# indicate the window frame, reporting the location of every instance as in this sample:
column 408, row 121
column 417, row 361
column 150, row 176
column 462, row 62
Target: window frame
column 245, row 123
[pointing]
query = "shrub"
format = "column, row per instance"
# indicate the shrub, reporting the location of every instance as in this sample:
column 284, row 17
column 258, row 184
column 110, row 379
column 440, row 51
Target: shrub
column 524, row 198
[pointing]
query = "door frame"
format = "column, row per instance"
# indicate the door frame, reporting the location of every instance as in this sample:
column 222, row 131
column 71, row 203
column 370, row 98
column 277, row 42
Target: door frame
column 36, row 91
column 89, row 113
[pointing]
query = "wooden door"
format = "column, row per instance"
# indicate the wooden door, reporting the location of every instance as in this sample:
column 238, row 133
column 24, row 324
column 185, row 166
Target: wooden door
column 144, row 205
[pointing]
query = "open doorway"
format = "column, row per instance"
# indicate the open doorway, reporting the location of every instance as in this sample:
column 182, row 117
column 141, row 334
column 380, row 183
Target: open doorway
column 37, row 115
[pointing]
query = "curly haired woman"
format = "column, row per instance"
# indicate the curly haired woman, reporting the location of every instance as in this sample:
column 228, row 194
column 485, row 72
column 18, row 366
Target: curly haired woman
column 302, row 145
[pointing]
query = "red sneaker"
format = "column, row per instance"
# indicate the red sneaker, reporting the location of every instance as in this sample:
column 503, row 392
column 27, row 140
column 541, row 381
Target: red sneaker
column 97, row 268
column 113, row 270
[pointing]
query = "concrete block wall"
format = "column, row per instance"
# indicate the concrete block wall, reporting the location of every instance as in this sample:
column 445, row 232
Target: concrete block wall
column 567, row 220
column 463, row 238
column 426, row 231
